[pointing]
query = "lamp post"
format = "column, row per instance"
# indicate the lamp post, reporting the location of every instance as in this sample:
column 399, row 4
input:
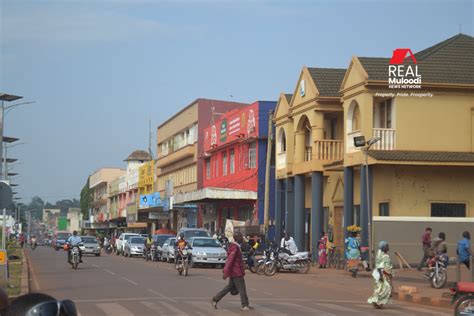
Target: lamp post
column 359, row 141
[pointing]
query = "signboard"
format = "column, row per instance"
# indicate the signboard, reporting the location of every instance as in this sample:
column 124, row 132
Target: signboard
column 223, row 131
column 150, row 200
column 62, row 223
column 158, row 215
column 3, row 257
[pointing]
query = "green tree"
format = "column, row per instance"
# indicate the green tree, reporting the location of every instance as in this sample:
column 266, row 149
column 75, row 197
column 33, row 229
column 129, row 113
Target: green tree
column 85, row 201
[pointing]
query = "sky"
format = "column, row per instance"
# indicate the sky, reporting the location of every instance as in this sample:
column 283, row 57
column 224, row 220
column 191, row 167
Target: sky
column 99, row 71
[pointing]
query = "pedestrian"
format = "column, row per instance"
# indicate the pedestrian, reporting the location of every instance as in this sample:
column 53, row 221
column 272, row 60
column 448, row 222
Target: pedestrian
column 383, row 274
column 322, row 253
column 234, row 270
column 426, row 244
column 353, row 250
column 464, row 249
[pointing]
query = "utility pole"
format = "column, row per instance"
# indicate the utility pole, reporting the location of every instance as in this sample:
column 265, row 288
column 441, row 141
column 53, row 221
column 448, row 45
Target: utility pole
column 266, row 213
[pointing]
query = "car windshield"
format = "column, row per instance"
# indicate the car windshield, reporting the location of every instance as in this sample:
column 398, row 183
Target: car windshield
column 171, row 242
column 195, row 233
column 63, row 236
column 160, row 239
column 137, row 240
column 204, row 242
column 127, row 237
column 89, row 240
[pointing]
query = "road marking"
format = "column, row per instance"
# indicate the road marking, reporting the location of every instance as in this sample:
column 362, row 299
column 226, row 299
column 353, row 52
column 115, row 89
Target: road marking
column 173, row 309
column 33, row 273
column 306, row 310
column 266, row 310
column 114, row 309
column 95, row 266
column 385, row 310
column 423, row 310
column 109, row 272
column 130, row 281
column 268, row 293
column 337, row 308
column 127, row 299
column 205, row 306
column 162, row 295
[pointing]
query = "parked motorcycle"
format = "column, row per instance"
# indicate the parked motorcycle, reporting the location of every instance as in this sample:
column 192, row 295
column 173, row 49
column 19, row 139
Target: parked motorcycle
column 299, row 262
column 463, row 295
column 436, row 272
column 183, row 261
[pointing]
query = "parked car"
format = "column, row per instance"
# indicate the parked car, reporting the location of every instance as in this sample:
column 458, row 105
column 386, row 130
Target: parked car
column 122, row 240
column 167, row 254
column 193, row 232
column 207, row 250
column 90, row 246
column 159, row 240
column 134, row 246
column 60, row 239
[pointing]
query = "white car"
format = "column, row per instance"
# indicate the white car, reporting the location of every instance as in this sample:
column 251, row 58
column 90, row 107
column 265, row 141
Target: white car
column 123, row 238
column 168, row 250
column 207, row 251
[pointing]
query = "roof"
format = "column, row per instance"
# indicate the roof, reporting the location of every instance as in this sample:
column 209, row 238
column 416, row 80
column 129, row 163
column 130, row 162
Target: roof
column 328, row 80
column 288, row 97
column 140, row 155
column 450, row 61
column 429, row 156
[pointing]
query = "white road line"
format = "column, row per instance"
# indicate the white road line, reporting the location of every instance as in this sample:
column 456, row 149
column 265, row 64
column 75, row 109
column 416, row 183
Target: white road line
column 114, row 309
column 127, row 299
column 130, row 281
column 208, row 309
column 173, row 309
column 386, row 310
column 109, row 272
column 95, row 266
column 339, row 308
column 306, row 310
column 266, row 310
column 268, row 293
column 162, row 296
column 423, row 310
column 157, row 307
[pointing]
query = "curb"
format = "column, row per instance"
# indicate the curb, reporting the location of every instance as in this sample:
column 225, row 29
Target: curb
column 25, row 275
column 423, row 300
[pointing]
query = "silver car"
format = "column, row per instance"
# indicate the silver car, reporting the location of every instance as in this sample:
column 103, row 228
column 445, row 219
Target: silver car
column 167, row 254
column 134, row 247
column 90, row 246
column 207, row 250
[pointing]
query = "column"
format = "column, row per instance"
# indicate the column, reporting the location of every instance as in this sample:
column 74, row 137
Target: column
column 290, row 207
column 317, row 214
column 278, row 210
column 348, row 197
column 299, row 147
column 364, row 211
column 299, row 212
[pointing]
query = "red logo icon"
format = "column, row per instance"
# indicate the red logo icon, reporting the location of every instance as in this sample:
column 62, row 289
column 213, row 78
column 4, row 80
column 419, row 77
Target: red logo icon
column 400, row 54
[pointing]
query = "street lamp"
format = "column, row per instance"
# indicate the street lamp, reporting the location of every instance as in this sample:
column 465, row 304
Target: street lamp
column 359, row 141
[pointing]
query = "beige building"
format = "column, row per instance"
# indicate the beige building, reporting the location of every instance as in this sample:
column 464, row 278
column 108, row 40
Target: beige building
column 74, row 220
column 179, row 165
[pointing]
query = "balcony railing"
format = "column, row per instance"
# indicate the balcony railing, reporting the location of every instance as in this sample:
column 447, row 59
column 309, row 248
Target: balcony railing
column 281, row 160
column 329, row 149
column 387, row 139
column 308, row 153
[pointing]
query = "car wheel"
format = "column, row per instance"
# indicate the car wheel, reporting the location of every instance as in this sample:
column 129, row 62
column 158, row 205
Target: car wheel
column 97, row 254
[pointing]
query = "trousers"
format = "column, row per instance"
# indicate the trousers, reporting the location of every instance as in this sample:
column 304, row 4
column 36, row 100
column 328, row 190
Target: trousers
column 234, row 283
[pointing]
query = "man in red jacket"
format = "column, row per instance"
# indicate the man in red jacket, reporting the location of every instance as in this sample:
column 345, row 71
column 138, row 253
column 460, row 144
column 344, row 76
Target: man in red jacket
column 234, row 270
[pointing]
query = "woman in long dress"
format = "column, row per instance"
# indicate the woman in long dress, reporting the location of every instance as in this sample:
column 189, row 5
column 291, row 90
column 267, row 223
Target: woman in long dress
column 382, row 274
column 353, row 253
column 322, row 252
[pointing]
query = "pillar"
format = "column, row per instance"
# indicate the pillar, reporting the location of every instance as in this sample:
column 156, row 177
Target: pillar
column 278, row 210
column 317, row 213
column 364, row 211
column 348, row 197
column 299, row 147
column 299, row 224
column 290, row 207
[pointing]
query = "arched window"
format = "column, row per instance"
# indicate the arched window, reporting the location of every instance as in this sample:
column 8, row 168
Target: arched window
column 356, row 118
column 281, row 141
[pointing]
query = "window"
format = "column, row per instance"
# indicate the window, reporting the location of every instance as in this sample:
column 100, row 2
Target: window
column 245, row 213
column 448, row 209
column 224, row 163
column 383, row 114
column 208, row 168
column 252, row 155
column 356, row 119
column 232, row 161
column 384, row 209
column 356, row 218
column 216, row 166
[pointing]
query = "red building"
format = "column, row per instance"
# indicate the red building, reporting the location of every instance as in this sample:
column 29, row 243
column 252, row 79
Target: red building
column 234, row 164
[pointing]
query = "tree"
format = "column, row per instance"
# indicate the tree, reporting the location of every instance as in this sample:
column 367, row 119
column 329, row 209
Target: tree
column 85, row 201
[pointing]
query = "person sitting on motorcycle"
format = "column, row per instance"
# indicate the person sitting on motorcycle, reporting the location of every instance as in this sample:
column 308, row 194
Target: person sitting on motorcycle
column 33, row 242
column 148, row 244
column 74, row 240
column 181, row 243
column 438, row 249
column 288, row 245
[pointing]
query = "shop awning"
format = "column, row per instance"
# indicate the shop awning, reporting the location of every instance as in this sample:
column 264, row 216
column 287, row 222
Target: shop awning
column 214, row 194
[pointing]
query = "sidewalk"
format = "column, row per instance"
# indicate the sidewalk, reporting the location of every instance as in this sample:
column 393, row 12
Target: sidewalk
column 409, row 285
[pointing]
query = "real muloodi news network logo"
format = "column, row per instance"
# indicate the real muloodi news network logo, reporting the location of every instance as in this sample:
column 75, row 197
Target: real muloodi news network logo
column 401, row 73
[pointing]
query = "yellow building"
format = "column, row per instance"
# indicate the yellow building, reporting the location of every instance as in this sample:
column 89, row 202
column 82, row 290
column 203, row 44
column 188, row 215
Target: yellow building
column 146, row 178
column 421, row 158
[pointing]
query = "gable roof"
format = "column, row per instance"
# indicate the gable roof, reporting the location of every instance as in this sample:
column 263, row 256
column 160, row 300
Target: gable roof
column 288, row 97
column 327, row 80
column 450, row 61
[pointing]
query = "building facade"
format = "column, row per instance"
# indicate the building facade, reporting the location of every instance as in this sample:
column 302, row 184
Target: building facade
column 178, row 167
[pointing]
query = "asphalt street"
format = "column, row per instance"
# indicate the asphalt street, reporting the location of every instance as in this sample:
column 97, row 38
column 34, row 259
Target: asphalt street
column 115, row 285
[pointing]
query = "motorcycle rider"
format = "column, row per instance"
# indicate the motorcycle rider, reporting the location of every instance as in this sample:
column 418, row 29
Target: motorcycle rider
column 439, row 249
column 74, row 240
column 148, row 243
column 288, row 245
column 180, row 244
column 33, row 242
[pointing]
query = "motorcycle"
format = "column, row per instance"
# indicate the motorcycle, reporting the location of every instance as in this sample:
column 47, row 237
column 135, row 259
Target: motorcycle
column 75, row 257
column 33, row 246
column 436, row 272
column 183, row 261
column 109, row 249
column 299, row 262
column 463, row 295
column 150, row 254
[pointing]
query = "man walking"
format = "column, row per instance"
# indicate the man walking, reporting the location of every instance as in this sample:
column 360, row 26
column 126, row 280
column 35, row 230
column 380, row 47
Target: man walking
column 426, row 243
column 464, row 249
column 234, row 270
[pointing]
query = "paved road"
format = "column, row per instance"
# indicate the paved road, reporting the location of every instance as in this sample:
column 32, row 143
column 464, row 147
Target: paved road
column 112, row 285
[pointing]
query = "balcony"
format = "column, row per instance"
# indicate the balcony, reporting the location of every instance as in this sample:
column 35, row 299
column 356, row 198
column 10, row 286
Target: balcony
column 174, row 156
column 387, row 139
column 281, row 160
column 308, row 153
column 329, row 149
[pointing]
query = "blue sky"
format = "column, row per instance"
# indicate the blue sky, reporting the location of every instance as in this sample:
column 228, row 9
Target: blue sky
column 100, row 70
